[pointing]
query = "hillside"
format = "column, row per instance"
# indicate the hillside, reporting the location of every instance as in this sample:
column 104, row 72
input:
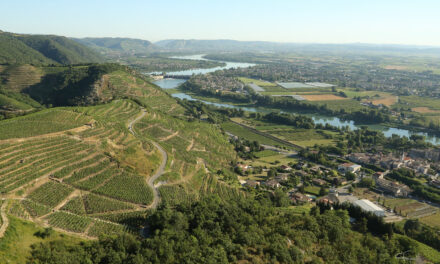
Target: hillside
column 27, row 87
column 226, row 45
column 91, row 170
column 42, row 50
column 117, row 45
column 139, row 164
column 14, row 51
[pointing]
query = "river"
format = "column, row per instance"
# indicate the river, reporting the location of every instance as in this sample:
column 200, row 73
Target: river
column 318, row 119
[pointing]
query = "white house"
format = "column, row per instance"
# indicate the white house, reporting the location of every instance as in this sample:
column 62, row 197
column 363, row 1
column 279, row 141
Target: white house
column 349, row 167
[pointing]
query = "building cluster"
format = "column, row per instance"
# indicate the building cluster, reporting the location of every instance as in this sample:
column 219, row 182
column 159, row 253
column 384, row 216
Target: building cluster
column 414, row 162
column 219, row 83
column 391, row 187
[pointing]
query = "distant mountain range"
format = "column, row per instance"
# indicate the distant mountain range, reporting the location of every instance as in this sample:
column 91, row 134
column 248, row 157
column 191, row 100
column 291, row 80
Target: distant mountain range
column 129, row 46
column 43, row 49
column 51, row 49
column 117, row 45
column 194, row 45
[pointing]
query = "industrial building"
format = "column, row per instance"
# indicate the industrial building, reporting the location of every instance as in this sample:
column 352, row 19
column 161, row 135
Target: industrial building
column 368, row 206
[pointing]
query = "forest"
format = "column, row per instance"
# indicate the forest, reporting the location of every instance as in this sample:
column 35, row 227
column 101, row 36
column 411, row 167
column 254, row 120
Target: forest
column 213, row 230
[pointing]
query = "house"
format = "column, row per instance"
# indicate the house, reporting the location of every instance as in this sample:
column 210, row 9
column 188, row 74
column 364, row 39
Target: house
column 243, row 167
column 316, row 169
column 301, row 173
column 359, row 158
column 407, row 160
column 435, row 183
column 285, row 168
column 423, row 169
column 331, row 198
column 349, row 167
column 299, row 198
column 319, row 182
column 252, row 184
column 396, row 164
column 301, row 165
column 281, row 177
column 337, row 181
column 368, row 206
column 394, row 188
column 272, row 184
column 379, row 175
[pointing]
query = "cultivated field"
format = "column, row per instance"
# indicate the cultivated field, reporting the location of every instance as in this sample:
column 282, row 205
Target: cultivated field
column 410, row 208
column 322, row 97
column 387, row 101
column 432, row 220
column 424, row 110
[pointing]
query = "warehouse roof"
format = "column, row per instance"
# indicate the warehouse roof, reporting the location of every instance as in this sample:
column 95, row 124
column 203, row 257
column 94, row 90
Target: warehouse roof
column 366, row 205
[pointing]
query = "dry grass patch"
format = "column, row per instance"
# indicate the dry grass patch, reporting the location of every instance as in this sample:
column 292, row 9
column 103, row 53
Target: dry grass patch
column 424, row 110
column 322, row 97
column 388, row 101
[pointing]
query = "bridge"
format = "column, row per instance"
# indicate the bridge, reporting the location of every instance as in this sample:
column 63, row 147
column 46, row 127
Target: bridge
column 176, row 76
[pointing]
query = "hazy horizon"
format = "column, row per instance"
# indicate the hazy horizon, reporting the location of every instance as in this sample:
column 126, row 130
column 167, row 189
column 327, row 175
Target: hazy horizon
column 314, row 22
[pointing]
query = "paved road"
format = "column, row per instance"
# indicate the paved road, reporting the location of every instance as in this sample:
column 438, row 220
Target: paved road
column 160, row 170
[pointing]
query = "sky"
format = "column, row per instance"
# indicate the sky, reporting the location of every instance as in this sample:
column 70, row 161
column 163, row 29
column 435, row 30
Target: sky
column 414, row 22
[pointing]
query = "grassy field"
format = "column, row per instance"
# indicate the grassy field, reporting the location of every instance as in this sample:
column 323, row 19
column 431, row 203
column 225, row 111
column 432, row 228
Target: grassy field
column 300, row 209
column 257, row 82
column 304, row 137
column 298, row 136
column 432, row 220
column 417, row 101
column 266, row 153
column 350, row 92
column 337, row 105
column 20, row 235
column 245, row 133
column 424, row 110
column 271, row 160
column 312, row 190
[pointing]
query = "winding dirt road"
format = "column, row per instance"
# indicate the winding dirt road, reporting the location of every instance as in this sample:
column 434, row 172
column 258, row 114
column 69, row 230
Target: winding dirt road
column 160, row 170
column 5, row 219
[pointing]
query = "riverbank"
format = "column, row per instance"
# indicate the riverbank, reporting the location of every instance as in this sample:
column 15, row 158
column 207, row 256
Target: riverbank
column 388, row 128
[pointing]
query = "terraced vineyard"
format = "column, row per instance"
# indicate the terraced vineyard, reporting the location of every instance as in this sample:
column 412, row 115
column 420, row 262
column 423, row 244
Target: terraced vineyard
column 190, row 145
column 80, row 169
column 68, row 178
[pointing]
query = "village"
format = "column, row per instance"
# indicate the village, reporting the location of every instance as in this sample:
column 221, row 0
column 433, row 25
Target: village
column 307, row 183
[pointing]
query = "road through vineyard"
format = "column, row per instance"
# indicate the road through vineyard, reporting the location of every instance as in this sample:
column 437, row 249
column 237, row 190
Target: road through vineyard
column 160, row 170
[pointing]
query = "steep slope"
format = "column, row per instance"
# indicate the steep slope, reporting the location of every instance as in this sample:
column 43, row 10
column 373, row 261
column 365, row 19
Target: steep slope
column 60, row 49
column 117, row 45
column 54, row 85
column 14, row 51
column 90, row 170
column 43, row 49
